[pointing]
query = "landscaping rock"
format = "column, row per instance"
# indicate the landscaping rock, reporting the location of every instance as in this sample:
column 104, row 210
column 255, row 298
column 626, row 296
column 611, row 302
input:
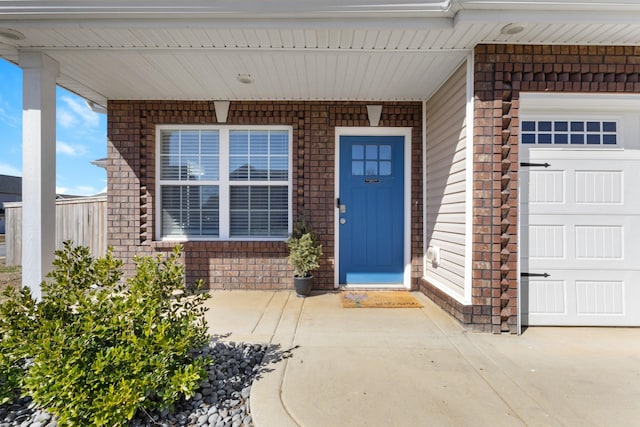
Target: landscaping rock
column 222, row 400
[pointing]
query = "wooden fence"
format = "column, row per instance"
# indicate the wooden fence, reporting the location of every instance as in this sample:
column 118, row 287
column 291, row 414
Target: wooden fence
column 83, row 220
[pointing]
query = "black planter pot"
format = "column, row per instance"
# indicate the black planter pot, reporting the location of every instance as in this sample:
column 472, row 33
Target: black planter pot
column 303, row 285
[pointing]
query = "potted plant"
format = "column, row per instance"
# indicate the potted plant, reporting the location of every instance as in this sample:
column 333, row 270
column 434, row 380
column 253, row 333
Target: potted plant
column 304, row 256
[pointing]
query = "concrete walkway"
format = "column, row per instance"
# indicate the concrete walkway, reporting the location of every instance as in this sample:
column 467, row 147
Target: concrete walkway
column 418, row 367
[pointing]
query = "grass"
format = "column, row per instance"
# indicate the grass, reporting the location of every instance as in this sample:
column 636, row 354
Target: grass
column 9, row 275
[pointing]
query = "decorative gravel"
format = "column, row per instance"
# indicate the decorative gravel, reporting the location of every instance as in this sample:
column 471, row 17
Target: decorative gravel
column 221, row 401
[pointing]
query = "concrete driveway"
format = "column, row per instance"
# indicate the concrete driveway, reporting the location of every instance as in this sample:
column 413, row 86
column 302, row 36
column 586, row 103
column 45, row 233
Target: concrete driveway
column 404, row 367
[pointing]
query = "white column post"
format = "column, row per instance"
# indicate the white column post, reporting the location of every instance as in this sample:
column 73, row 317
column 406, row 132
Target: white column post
column 38, row 167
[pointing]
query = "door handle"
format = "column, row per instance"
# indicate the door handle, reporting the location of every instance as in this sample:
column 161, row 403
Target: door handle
column 534, row 275
column 340, row 206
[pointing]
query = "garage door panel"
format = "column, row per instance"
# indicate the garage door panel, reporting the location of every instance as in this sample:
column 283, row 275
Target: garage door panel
column 602, row 186
column 546, row 241
column 597, row 242
column 547, row 297
column 609, row 243
column 582, row 297
column 580, row 224
column 599, row 187
column 595, row 297
column 547, row 187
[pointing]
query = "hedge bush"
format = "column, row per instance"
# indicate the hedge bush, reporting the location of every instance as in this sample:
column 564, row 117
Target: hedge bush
column 96, row 349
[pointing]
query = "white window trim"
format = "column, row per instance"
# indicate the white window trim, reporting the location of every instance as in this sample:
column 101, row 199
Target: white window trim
column 223, row 184
column 590, row 116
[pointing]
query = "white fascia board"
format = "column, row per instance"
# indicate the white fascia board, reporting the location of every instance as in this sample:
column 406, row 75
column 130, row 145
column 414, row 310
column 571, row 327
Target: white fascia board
column 548, row 5
column 228, row 9
column 528, row 16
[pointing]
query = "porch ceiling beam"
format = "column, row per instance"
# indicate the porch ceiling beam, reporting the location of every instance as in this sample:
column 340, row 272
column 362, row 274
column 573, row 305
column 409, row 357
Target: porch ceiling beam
column 294, row 8
column 137, row 50
column 378, row 23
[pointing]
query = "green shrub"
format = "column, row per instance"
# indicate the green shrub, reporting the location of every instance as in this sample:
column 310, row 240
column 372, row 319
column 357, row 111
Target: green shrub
column 305, row 250
column 304, row 254
column 97, row 349
column 16, row 323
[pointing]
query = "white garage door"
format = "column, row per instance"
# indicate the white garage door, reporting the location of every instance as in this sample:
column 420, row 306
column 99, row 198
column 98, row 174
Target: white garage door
column 579, row 223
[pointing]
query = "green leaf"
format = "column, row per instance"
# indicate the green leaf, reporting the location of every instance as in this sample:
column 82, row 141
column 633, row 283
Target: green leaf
column 102, row 348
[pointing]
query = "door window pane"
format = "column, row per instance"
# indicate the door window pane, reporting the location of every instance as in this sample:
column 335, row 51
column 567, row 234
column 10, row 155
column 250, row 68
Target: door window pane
column 372, row 152
column 357, row 167
column 385, row 168
column 372, row 168
column 371, row 160
column 357, row 152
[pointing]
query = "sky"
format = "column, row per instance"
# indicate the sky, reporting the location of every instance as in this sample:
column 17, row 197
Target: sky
column 81, row 136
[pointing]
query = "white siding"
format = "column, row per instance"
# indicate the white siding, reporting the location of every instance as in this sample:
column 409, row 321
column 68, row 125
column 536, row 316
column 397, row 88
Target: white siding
column 446, row 184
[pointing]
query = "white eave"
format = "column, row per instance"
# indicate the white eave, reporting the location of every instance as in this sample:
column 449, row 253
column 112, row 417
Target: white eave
column 293, row 49
column 98, row 9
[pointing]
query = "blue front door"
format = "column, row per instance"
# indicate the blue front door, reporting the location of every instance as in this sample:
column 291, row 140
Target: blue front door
column 371, row 206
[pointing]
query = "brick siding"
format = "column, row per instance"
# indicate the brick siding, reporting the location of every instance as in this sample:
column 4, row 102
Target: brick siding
column 233, row 264
column 502, row 72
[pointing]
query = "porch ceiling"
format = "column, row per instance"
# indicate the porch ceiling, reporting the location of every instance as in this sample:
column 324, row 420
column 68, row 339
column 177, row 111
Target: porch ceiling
column 293, row 49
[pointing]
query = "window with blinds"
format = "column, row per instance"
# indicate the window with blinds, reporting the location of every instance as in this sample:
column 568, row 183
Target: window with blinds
column 259, row 174
column 224, row 182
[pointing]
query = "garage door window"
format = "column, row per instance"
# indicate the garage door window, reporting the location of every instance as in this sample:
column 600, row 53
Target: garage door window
column 570, row 132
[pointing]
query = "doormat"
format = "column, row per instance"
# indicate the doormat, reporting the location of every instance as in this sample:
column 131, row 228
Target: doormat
column 378, row 299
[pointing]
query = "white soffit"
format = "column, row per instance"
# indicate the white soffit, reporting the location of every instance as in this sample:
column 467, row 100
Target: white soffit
column 294, row 49
column 277, row 75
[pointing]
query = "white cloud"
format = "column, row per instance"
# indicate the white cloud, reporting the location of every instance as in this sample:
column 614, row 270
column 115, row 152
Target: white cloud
column 8, row 119
column 6, row 169
column 69, row 149
column 65, row 118
column 11, row 120
column 76, row 111
column 80, row 190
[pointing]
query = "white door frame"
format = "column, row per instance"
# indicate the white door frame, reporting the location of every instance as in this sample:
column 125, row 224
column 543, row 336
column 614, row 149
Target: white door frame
column 376, row 131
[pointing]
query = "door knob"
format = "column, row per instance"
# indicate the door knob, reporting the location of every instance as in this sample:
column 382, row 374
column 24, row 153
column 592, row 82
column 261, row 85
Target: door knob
column 343, row 220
